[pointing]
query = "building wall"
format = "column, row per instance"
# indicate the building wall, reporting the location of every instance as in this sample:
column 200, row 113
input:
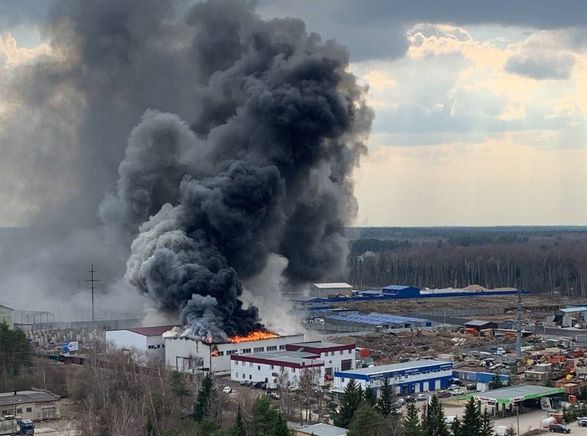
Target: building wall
column 125, row 339
column 271, row 374
column 6, row 317
column 412, row 380
column 35, row 411
column 189, row 355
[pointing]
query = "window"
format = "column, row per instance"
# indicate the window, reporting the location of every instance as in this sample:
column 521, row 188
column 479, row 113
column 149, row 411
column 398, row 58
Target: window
column 246, row 351
column 282, row 347
column 29, row 409
column 230, row 352
column 236, row 362
column 251, row 364
column 350, row 351
column 221, row 353
column 243, row 375
column 5, row 412
column 272, row 366
column 340, row 352
column 19, row 410
column 272, row 348
column 250, row 377
column 259, row 349
column 237, row 375
column 258, row 367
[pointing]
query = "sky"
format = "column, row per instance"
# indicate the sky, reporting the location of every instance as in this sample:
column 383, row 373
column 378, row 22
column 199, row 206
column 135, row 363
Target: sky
column 480, row 108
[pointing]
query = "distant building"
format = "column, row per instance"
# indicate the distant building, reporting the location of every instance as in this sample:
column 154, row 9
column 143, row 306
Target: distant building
column 571, row 316
column 401, row 291
column 320, row 429
column 6, row 316
column 373, row 322
column 147, row 341
column 330, row 289
column 322, row 359
column 36, row 405
column 478, row 325
column 406, row 377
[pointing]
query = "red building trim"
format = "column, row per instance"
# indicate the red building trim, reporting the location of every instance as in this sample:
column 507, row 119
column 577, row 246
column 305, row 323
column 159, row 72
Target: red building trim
column 274, row 362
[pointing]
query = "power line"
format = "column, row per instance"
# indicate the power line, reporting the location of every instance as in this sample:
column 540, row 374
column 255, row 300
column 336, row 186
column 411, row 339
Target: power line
column 92, row 287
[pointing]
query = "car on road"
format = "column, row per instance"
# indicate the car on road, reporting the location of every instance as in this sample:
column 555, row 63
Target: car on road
column 457, row 392
column 227, row 389
column 422, row 397
column 582, row 421
column 558, row 428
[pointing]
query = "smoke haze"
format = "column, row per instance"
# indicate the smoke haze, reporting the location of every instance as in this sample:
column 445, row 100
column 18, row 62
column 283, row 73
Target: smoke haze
column 248, row 131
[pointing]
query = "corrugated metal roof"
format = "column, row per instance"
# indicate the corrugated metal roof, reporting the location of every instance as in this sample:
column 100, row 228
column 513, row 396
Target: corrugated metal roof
column 382, row 369
column 574, row 309
column 149, row 331
column 508, row 394
column 26, row 397
column 375, row 318
column 333, row 286
column 398, row 287
column 322, row 430
column 478, row 322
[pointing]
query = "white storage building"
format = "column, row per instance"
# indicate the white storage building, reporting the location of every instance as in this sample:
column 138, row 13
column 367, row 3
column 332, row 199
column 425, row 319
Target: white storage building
column 147, row 341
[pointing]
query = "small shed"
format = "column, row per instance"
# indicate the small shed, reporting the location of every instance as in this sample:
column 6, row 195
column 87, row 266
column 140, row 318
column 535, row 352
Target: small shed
column 478, row 324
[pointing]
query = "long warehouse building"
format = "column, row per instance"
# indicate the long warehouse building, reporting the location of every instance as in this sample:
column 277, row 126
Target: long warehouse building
column 373, row 322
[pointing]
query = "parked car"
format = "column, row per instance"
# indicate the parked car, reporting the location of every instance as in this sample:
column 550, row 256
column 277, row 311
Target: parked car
column 582, row 422
column 258, row 385
column 558, row 428
column 243, row 382
column 443, row 394
column 471, row 387
column 457, row 392
column 422, row 397
column 227, row 389
column 409, row 399
column 400, row 402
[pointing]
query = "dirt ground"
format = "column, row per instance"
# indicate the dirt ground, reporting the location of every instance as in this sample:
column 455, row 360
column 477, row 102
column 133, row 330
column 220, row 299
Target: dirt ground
column 66, row 426
column 536, row 303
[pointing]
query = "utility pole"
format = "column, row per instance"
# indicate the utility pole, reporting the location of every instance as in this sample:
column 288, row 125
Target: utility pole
column 519, row 328
column 92, row 288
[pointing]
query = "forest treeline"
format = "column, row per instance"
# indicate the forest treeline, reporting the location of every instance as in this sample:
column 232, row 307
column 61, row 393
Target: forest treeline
column 540, row 261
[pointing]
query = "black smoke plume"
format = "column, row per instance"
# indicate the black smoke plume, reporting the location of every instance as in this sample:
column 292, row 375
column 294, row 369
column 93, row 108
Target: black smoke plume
column 263, row 167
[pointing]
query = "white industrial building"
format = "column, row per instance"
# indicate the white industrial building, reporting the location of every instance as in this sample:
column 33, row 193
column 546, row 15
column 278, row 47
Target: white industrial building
column 185, row 353
column 330, row 289
column 406, row 377
column 146, row 341
column 322, row 359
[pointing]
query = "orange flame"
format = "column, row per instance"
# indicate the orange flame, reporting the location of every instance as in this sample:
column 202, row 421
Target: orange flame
column 257, row 335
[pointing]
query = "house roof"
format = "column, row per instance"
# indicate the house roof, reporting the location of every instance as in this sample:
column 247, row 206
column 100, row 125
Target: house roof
column 26, row 397
column 150, row 331
column 574, row 309
column 321, row 429
column 333, row 285
column 478, row 322
column 383, row 369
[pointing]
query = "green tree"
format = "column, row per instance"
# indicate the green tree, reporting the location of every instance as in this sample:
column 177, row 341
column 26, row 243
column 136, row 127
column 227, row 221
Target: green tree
column 367, row 421
column 412, row 426
column 455, row 426
column 471, row 425
column 370, row 397
column 15, row 353
column 386, row 404
column 239, row 428
column 351, row 400
column 204, row 406
column 434, row 423
column 486, row 425
column 267, row 420
column 178, row 385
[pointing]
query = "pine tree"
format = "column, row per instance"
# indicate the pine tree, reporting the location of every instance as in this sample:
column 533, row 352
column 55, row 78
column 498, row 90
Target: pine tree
column 412, row 426
column 367, row 421
column 496, row 382
column 349, row 403
column 455, row 426
column 267, row 420
column 370, row 397
column 434, row 423
column 15, row 353
column 386, row 403
column 203, row 407
column 239, row 428
column 486, row 425
column 471, row 424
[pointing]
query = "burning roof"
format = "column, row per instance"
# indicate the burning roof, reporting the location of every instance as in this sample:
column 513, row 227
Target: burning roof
column 186, row 332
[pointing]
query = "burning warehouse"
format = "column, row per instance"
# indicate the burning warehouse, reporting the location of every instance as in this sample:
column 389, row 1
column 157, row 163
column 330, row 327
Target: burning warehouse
column 186, row 353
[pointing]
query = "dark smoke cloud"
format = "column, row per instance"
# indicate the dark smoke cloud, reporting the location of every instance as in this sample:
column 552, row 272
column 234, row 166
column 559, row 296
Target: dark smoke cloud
column 264, row 167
